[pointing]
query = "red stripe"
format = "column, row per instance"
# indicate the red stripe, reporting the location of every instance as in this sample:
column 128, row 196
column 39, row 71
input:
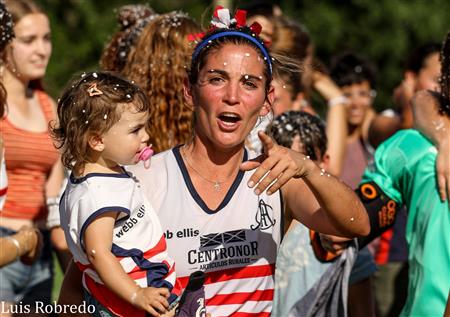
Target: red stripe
column 110, row 300
column 261, row 314
column 240, row 298
column 382, row 255
column 3, row 191
column 137, row 275
column 158, row 248
column 137, row 272
column 83, row 267
column 235, row 273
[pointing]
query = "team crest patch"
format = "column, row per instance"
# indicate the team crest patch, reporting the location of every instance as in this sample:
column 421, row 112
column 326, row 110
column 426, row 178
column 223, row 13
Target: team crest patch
column 263, row 216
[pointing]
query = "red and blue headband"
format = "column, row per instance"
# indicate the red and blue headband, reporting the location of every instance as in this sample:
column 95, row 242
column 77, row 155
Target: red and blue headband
column 231, row 28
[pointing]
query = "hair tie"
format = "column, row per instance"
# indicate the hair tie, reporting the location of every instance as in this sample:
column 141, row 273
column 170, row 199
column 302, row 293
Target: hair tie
column 93, row 90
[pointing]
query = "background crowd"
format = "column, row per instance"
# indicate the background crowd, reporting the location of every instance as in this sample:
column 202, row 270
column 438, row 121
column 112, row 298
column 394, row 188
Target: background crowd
column 357, row 66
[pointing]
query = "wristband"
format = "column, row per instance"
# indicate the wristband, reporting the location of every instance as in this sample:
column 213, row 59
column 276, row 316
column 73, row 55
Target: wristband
column 339, row 100
column 53, row 218
column 16, row 243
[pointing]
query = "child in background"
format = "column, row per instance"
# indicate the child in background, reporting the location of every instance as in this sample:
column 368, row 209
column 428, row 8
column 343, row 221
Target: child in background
column 112, row 231
column 297, row 269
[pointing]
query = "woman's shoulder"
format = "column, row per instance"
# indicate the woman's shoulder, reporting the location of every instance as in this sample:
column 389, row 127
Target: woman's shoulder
column 47, row 103
column 44, row 97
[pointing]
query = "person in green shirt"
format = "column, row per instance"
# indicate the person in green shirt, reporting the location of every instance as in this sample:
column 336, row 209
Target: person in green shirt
column 407, row 171
column 404, row 171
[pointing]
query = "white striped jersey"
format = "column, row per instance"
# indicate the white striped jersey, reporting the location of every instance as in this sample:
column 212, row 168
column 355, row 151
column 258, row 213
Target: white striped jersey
column 138, row 241
column 236, row 244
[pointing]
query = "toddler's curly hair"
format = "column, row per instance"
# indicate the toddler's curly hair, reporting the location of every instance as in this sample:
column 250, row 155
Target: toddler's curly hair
column 90, row 105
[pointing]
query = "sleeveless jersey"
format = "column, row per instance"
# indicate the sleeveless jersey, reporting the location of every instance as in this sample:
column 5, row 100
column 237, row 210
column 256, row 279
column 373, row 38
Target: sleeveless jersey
column 236, row 245
column 29, row 157
column 138, row 240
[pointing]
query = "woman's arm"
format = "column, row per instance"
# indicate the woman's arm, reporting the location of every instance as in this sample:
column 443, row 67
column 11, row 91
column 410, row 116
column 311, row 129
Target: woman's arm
column 25, row 244
column 71, row 289
column 317, row 199
column 437, row 128
column 59, row 244
column 52, row 191
column 56, row 176
column 336, row 120
column 326, row 205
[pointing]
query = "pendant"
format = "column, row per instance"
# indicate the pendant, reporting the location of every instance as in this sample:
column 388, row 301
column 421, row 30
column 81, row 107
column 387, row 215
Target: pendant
column 216, row 186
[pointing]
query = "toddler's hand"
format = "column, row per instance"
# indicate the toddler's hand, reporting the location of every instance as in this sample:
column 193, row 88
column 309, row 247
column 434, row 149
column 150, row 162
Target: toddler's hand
column 152, row 300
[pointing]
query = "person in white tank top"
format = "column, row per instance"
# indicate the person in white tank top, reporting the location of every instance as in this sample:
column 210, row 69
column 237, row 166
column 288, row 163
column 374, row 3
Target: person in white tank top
column 219, row 206
column 218, row 215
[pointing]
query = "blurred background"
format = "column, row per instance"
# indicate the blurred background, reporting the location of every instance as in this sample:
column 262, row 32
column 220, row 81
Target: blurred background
column 383, row 30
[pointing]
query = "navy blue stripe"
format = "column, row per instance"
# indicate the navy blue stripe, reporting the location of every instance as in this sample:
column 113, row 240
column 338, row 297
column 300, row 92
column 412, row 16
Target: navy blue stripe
column 193, row 191
column 260, row 45
column 282, row 211
column 75, row 180
column 155, row 271
column 96, row 214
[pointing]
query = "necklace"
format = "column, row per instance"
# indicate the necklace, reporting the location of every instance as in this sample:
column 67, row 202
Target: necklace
column 216, row 184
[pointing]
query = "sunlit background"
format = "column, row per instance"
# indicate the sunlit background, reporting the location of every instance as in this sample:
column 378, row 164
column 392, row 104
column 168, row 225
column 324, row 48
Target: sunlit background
column 384, row 30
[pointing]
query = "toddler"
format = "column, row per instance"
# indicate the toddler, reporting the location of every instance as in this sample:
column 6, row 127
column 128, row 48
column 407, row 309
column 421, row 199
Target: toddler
column 112, row 230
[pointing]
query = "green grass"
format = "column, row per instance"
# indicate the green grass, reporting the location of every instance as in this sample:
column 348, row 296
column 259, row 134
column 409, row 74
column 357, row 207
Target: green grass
column 58, row 278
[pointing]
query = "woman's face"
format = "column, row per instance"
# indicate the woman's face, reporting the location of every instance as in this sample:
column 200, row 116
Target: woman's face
column 229, row 95
column 31, row 48
column 360, row 97
column 284, row 100
column 428, row 76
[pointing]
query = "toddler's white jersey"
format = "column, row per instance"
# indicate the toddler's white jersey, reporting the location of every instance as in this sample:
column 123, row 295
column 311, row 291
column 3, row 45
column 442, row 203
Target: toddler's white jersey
column 138, row 240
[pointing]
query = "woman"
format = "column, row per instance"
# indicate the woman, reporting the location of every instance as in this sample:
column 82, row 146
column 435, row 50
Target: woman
column 158, row 65
column 219, row 217
column 132, row 19
column 34, row 170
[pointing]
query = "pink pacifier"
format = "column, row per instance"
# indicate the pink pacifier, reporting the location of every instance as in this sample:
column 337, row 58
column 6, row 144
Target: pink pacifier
column 145, row 155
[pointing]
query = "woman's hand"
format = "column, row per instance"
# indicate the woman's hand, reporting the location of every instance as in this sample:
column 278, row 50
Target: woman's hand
column 334, row 244
column 276, row 166
column 34, row 244
column 325, row 86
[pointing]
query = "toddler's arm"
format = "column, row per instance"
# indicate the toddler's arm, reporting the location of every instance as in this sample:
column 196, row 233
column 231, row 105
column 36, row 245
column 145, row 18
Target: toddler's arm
column 98, row 242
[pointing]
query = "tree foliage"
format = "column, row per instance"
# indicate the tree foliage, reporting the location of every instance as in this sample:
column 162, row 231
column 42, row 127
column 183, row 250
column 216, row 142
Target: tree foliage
column 385, row 31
